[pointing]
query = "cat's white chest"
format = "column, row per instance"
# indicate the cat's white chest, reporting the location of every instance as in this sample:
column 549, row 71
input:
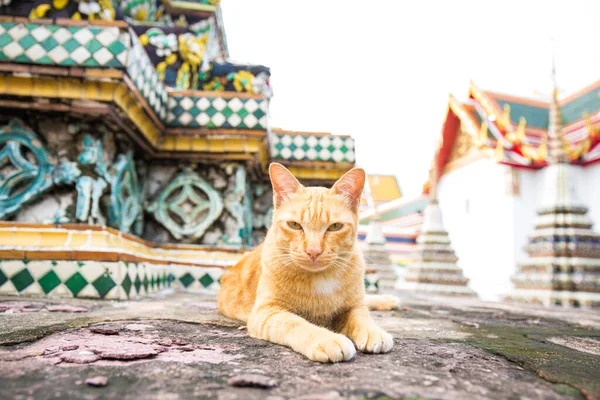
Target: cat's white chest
column 326, row 286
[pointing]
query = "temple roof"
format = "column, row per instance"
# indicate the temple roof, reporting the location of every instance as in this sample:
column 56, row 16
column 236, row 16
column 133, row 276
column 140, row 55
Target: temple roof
column 514, row 130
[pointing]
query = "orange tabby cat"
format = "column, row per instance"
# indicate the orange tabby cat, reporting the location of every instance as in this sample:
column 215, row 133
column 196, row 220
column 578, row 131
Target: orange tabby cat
column 304, row 286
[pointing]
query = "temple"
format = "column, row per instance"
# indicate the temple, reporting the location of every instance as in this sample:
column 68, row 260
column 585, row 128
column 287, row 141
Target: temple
column 133, row 151
column 434, row 266
column 513, row 176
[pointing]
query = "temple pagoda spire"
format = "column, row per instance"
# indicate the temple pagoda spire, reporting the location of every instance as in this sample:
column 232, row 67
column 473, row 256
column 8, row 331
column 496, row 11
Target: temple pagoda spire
column 556, row 141
column 563, row 264
column 435, row 268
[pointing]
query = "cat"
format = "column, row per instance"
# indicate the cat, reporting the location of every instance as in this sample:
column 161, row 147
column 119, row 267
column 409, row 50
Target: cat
column 303, row 287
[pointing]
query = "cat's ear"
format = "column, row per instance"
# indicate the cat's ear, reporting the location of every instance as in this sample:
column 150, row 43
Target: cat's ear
column 350, row 186
column 284, row 183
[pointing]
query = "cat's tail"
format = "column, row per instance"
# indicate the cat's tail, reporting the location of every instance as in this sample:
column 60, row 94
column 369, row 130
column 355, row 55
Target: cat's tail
column 382, row 302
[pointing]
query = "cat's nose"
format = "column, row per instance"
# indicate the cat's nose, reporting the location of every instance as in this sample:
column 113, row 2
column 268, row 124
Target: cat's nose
column 313, row 252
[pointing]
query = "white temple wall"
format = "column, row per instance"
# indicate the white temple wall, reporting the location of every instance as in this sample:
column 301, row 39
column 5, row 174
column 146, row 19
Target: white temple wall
column 478, row 213
column 526, row 203
column 590, row 192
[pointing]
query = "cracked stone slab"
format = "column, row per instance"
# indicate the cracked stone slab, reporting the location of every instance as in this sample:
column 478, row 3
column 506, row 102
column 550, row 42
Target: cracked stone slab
column 415, row 368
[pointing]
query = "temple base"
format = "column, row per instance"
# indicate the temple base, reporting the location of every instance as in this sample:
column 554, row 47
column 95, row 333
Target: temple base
column 555, row 298
column 454, row 290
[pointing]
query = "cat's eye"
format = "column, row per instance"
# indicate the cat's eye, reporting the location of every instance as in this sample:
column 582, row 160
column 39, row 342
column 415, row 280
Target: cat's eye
column 294, row 225
column 335, row 227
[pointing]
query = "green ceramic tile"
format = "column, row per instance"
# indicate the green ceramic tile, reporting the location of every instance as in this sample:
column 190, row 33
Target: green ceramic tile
column 146, row 282
column 49, row 44
column 5, row 39
column 71, row 44
column 76, row 283
column 116, row 47
column 90, row 62
column 227, row 112
column 137, row 283
column 27, row 41
column 206, row 280
column 187, row 279
column 126, row 284
column 93, row 46
column 22, row 279
column 259, row 113
column 3, row 278
column 211, row 111
column 104, row 284
column 242, row 113
column 49, row 281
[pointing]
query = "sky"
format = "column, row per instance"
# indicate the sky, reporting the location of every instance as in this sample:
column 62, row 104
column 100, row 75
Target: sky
column 381, row 70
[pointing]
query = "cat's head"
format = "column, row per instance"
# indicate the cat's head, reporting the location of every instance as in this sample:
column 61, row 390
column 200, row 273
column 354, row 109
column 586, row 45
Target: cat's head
column 314, row 228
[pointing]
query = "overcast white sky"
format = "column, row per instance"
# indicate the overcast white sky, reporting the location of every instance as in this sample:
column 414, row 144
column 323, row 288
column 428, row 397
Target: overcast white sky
column 381, row 70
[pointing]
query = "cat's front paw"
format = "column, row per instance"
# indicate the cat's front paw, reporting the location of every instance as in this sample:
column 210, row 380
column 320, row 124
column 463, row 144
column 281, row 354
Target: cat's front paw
column 333, row 348
column 373, row 340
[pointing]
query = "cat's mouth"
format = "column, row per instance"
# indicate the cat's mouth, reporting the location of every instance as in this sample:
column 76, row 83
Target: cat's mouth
column 313, row 267
column 316, row 266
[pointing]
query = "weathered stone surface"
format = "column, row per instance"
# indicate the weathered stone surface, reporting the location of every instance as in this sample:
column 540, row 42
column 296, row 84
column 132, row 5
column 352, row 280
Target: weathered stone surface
column 79, row 357
column 586, row 345
column 106, row 329
column 443, row 350
column 97, row 381
column 67, row 308
column 252, row 380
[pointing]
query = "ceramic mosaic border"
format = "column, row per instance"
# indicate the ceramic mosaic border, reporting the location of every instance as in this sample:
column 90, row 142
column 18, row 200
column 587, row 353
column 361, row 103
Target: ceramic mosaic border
column 69, row 46
column 327, row 148
column 146, row 80
column 83, row 279
column 101, row 280
column 217, row 112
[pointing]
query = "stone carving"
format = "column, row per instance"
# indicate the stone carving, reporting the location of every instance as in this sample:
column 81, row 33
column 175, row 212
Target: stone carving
column 126, row 196
column 90, row 189
column 187, row 206
column 26, row 168
column 235, row 202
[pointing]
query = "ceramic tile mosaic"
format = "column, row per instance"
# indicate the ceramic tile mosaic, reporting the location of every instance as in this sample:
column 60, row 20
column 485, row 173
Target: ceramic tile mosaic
column 312, row 148
column 63, row 45
column 83, row 279
column 144, row 76
column 197, row 278
column 217, row 112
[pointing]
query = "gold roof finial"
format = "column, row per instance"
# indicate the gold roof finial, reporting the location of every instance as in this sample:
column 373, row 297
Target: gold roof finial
column 556, row 142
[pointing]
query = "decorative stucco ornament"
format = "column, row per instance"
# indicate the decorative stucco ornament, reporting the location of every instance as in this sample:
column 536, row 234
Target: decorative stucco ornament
column 187, row 206
column 26, row 168
column 126, row 197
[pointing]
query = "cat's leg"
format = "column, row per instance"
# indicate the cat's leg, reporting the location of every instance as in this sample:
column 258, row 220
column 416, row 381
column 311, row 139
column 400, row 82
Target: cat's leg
column 358, row 325
column 279, row 326
column 382, row 302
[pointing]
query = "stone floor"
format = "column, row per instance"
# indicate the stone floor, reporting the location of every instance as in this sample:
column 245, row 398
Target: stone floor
column 179, row 347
